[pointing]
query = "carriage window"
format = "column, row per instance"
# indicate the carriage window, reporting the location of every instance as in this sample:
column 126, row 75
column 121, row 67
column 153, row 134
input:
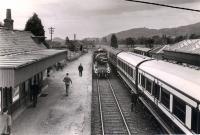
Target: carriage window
column 156, row 90
column 148, row 85
column 126, row 68
column 133, row 75
column 143, row 81
column 139, row 77
column 195, row 121
column 179, row 108
column 165, row 98
column 129, row 70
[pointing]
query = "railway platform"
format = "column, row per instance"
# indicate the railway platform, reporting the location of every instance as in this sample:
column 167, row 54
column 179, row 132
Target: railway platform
column 56, row 113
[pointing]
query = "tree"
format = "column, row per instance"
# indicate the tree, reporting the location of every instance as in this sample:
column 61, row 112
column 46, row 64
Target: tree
column 114, row 41
column 67, row 41
column 194, row 36
column 71, row 46
column 104, row 40
column 130, row 42
column 34, row 24
column 149, row 42
column 1, row 24
column 179, row 38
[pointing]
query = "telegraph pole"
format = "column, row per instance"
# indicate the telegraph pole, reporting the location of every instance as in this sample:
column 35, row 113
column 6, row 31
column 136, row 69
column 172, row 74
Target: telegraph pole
column 51, row 31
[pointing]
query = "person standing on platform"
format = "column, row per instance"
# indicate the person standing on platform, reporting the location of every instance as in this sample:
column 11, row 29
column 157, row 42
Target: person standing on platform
column 6, row 123
column 67, row 80
column 133, row 101
column 80, row 69
column 35, row 91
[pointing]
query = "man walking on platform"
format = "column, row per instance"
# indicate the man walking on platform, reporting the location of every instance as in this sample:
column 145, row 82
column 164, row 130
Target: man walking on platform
column 67, row 80
column 80, row 69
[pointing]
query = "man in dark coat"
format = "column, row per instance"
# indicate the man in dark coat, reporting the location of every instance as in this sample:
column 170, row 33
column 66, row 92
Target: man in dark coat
column 134, row 98
column 67, row 80
column 80, row 69
column 35, row 91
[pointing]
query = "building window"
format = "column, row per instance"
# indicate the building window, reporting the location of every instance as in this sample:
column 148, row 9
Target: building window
column 143, row 81
column 15, row 94
column 156, row 90
column 179, row 108
column 165, row 98
column 148, row 85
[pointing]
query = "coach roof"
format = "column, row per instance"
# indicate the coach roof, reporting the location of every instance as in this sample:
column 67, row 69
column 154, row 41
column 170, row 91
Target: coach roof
column 184, row 79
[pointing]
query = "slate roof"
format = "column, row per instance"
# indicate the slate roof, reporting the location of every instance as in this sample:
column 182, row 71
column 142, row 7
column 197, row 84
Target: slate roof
column 17, row 48
column 159, row 49
column 15, row 41
column 186, row 46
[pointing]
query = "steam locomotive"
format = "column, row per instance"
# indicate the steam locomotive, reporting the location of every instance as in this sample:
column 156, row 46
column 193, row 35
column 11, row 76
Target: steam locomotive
column 101, row 68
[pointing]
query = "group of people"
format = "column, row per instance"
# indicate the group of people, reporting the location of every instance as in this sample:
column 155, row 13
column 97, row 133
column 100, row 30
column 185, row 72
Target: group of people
column 6, row 120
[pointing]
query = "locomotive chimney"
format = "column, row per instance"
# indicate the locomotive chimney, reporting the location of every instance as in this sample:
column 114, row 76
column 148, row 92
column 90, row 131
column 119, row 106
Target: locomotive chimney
column 8, row 22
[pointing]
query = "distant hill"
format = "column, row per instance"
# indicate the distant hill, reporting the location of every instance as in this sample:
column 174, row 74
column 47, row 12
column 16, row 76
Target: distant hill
column 58, row 39
column 146, row 32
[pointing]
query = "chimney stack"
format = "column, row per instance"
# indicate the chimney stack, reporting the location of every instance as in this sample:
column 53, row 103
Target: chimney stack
column 8, row 22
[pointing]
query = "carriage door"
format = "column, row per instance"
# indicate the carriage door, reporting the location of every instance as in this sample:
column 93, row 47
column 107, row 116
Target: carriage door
column 0, row 99
column 156, row 92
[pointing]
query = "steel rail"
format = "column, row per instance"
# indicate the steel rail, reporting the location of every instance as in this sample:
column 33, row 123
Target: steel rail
column 122, row 115
column 100, row 108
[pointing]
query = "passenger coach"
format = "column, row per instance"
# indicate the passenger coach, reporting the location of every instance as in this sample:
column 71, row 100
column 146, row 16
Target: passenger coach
column 172, row 90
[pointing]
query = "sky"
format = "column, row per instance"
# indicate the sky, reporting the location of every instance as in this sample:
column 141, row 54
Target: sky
column 98, row 18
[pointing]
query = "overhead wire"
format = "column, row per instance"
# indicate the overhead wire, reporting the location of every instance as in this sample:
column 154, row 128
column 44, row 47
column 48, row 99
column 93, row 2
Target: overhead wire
column 164, row 5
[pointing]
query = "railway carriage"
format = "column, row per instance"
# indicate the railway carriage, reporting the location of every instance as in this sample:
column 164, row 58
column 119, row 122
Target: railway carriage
column 175, row 90
column 170, row 89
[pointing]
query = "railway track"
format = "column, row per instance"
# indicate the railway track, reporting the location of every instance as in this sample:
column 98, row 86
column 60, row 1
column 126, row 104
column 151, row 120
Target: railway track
column 112, row 118
column 111, row 114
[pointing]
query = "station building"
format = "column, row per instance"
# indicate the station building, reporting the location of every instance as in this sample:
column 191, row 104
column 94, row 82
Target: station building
column 142, row 50
column 23, row 60
column 186, row 51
